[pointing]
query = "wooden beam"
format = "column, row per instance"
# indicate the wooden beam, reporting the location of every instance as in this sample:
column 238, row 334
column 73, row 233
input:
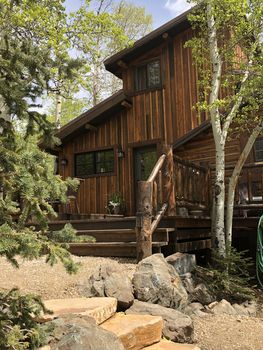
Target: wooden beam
column 126, row 104
column 165, row 36
column 90, row 127
column 122, row 64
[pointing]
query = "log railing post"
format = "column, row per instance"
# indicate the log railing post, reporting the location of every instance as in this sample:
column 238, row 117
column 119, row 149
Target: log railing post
column 168, row 180
column 144, row 220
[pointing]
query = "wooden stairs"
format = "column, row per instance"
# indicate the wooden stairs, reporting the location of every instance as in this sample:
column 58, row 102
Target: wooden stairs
column 117, row 238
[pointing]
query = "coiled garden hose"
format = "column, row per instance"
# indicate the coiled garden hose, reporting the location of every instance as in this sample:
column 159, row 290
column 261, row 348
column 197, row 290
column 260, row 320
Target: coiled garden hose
column 259, row 258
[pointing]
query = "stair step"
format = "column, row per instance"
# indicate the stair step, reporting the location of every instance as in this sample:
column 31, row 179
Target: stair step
column 167, row 345
column 135, row 331
column 191, row 246
column 117, row 249
column 99, row 308
column 124, row 235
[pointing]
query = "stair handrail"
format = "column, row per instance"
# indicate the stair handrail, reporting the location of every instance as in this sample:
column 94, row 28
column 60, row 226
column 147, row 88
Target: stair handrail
column 158, row 166
column 145, row 224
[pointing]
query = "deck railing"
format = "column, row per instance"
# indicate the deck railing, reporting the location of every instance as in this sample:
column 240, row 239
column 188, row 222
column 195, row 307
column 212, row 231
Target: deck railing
column 192, row 183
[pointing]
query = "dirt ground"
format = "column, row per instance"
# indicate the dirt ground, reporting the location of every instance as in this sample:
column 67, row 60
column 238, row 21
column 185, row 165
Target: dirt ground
column 211, row 332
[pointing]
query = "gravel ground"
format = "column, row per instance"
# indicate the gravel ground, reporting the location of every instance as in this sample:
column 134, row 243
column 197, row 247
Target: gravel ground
column 53, row 282
column 211, row 332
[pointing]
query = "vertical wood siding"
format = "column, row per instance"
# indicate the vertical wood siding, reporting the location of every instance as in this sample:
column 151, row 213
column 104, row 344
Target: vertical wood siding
column 159, row 116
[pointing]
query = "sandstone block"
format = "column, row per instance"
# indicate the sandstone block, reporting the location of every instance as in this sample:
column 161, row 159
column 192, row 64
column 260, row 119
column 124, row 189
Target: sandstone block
column 165, row 345
column 99, row 308
column 135, row 331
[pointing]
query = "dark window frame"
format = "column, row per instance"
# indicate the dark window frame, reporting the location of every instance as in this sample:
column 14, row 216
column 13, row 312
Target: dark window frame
column 258, row 160
column 96, row 162
column 144, row 68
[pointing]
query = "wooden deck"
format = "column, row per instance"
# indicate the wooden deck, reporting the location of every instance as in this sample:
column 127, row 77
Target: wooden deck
column 116, row 236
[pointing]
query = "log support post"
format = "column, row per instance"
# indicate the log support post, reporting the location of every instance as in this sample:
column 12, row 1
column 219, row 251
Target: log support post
column 168, row 180
column 144, row 220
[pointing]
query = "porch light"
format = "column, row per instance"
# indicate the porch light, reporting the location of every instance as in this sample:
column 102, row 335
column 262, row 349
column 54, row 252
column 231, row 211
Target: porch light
column 120, row 152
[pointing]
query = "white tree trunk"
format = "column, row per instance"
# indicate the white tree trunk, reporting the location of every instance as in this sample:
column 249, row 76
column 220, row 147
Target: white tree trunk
column 58, row 109
column 219, row 192
column 233, row 181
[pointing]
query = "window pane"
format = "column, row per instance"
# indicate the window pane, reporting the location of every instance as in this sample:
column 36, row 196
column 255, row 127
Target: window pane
column 84, row 164
column 141, row 78
column 259, row 150
column 153, row 70
column 104, row 161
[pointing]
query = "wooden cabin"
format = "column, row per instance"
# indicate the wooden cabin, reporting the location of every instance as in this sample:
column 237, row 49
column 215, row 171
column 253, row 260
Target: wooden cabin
column 116, row 144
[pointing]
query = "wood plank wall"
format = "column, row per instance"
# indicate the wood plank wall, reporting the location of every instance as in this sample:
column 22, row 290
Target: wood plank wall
column 159, row 116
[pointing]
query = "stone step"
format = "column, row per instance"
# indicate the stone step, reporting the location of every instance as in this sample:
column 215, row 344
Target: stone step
column 167, row 345
column 135, row 331
column 99, row 308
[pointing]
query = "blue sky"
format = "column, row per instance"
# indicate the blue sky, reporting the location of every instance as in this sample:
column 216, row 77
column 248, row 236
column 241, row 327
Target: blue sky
column 161, row 10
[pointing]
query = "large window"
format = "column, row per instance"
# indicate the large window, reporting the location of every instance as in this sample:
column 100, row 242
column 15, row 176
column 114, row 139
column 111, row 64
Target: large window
column 259, row 150
column 93, row 163
column 148, row 76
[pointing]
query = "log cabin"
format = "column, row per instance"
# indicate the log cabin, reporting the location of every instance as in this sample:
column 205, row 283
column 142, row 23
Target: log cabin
column 149, row 133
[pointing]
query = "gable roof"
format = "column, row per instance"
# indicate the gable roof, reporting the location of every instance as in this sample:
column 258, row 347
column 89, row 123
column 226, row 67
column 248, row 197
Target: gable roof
column 147, row 43
column 94, row 116
column 189, row 136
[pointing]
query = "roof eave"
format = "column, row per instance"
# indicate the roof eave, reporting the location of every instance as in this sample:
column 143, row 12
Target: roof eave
column 146, row 43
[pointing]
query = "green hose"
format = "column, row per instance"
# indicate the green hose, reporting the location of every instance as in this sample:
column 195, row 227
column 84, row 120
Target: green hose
column 259, row 259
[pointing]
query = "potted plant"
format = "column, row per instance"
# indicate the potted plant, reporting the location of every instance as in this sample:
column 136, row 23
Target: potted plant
column 115, row 204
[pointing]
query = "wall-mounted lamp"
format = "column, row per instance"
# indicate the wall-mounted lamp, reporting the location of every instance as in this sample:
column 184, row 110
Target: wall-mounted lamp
column 64, row 162
column 120, row 152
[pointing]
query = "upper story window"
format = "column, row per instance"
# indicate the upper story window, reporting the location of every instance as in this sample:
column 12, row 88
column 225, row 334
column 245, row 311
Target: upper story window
column 94, row 163
column 259, row 150
column 148, row 76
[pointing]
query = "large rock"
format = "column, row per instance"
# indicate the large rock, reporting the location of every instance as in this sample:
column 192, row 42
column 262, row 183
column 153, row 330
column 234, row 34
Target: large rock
column 99, row 308
column 196, row 309
column 108, row 281
column 183, row 263
column 165, row 345
column 223, row 307
column 135, row 331
column 177, row 326
column 72, row 332
column 155, row 281
column 201, row 294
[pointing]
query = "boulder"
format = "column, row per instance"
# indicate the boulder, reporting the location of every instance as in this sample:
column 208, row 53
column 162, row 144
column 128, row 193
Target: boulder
column 223, row 307
column 240, row 310
column 157, row 282
column 177, row 326
column 196, row 309
column 251, row 307
column 108, row 281
column 201, row 294
column 99, row 308
column 72, row 332
column 183, row 263
column 135, row 331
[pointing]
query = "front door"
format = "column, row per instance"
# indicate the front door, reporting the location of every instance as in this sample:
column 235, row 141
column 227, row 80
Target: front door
column 144, row 161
